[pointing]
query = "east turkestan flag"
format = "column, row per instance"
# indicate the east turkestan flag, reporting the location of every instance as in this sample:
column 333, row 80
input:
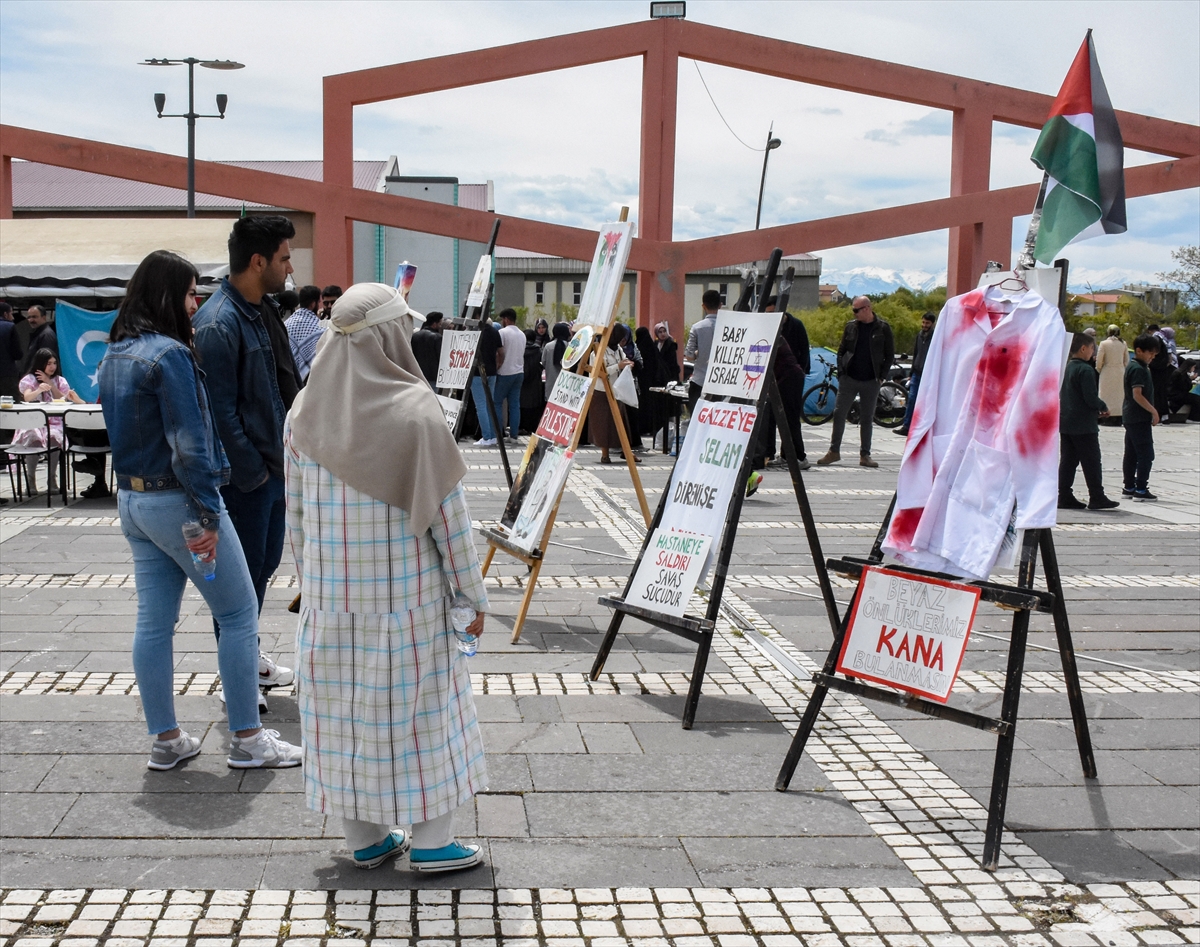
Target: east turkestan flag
column 1082, row 153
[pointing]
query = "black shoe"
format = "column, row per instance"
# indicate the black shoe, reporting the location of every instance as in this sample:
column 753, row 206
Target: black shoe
column 1143, row 495
column 97, row 491
column 902, row 431
column 1127, row 491
column 1103, row 503
column 1069, row 502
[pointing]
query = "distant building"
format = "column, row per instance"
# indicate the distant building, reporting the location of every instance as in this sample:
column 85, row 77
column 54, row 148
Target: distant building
column 1159, row 298
column 830, row 293
column 1090, row 304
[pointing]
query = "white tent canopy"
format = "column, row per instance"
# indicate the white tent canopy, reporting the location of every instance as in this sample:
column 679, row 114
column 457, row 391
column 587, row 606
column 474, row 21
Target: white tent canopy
column 95, row 257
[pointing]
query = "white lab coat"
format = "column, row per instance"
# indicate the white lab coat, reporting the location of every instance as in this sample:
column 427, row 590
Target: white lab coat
column 984, row 434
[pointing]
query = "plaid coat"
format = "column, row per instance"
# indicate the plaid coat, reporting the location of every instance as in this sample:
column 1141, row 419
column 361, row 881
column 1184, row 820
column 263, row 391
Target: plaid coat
column 387, row 718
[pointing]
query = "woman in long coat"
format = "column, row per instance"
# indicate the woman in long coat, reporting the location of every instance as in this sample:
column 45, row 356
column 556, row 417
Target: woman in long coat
column 381, row 535
column 1112, row 355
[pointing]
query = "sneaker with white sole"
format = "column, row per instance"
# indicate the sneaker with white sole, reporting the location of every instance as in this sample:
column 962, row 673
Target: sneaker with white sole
column 452, row 857
column 165, row 754
column 264, row 750
column 271, row 674
column 262, row 698
column 396, row 844
column 486, row 442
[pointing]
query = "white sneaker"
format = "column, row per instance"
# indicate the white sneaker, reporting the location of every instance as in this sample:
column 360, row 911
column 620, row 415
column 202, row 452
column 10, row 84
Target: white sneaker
column 264, row 750
column 262, row 699
column 166, row 753
column 271, row 674
column 486, row 442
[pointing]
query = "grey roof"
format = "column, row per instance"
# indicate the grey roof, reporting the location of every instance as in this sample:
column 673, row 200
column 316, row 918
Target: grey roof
column 510, row 260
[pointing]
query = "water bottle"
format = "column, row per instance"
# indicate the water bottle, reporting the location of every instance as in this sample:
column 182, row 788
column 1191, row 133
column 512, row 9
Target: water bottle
column 462, row 613
column 208, row 569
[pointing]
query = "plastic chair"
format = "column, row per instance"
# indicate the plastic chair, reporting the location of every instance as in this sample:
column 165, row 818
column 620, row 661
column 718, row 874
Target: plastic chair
column 15, row 420
column 75, row 421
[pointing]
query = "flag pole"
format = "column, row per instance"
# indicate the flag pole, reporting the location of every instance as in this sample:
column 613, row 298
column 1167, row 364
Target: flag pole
column 1026, row 260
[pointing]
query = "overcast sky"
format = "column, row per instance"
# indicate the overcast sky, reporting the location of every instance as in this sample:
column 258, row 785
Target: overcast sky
column 564, row 146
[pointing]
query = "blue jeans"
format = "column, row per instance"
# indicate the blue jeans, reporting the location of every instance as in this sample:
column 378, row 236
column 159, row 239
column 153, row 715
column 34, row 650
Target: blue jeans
column 481, row 411
column 914, row 383
column 508, row 388
column 153, row 524
column 260, row 520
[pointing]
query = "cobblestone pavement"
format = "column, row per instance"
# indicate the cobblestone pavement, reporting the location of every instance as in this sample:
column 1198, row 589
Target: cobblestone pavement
column 594, row 784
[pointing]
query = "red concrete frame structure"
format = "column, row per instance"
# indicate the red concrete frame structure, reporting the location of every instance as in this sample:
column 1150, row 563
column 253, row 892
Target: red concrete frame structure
column 979, row 219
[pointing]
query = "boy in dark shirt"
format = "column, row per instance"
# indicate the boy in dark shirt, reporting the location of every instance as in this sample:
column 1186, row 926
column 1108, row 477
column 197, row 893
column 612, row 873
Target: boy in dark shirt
column 1079, row 429
column 1139, row 417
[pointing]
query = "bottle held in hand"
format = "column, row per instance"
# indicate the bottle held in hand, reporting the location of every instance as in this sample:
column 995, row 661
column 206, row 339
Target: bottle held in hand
column 462, row 614
column 208, row 569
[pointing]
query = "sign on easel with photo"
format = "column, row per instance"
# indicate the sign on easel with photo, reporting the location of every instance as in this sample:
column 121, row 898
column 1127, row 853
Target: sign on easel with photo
column 524, row 530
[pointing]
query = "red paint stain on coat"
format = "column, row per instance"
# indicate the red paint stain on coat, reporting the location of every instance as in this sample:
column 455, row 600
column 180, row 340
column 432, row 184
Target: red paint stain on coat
column 1039, row 431
column 904, row 526
column 999, row 371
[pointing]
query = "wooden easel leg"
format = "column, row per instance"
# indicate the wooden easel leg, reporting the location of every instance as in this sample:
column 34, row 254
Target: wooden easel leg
column 487, row 561
column 530, row 585
column 610, row 637
column 1066, row 649
column 1008, row 713
column 630, row 462
column 693, row 694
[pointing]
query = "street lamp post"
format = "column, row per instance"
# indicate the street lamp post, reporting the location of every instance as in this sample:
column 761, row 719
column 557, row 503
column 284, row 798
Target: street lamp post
column 160, row 101
column 772, row 144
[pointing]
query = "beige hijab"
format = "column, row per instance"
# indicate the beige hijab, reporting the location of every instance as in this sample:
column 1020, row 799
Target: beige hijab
column 367, row 414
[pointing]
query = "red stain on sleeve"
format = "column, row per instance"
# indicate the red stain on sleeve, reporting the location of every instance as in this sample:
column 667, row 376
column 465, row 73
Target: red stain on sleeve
column 904, row 526
column 1039, row 431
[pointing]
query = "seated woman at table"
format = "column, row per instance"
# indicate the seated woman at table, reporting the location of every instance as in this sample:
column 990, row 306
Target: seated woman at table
column 44, row 384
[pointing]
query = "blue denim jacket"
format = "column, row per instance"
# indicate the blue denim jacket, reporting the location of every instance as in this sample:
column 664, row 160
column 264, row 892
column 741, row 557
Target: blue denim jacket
column 235, row 353
column 159, row 420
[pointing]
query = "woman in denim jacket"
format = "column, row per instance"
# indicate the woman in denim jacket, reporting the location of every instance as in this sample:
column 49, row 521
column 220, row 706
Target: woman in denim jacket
column 169, row 465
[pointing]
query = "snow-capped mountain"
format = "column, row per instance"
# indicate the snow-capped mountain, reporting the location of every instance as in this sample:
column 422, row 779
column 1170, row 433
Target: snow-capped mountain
column 868, row 280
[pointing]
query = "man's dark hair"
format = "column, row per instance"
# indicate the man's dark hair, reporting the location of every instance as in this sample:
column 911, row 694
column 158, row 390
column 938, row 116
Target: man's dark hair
column 432, row 318
column 332, row 290
column 261, row 235
column 1153, row 327
column 154, row 299
column 508, row 313
column 288, row 301
column 932, row 317
column 1147, row 342
column 1079, row 340
column 771, row 301
column 711, row 300
column 309, row 296
column 5, row 311
column 41, row 310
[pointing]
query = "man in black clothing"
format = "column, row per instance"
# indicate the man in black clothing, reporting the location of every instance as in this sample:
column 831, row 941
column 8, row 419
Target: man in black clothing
column 920, row 351
column 1080, row 409
column 427, row 346
column 791, row 370
column 864, row 358
column 490, row 352
column 10, row 354
column 41, row 336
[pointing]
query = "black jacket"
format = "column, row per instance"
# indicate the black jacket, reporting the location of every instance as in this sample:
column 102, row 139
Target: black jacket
column 43, row 337
column 921, row 349
column 883, row 348
column 427, row 347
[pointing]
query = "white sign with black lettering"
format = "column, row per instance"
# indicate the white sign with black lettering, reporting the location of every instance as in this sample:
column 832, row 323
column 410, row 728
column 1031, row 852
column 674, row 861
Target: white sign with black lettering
column 456, row 358
column 741, row 351
column 450, row 408
column 668, row 572
column 908, row 632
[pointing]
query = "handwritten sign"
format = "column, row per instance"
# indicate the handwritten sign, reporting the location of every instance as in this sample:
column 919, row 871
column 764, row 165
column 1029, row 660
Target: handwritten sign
column 456, row 358
column 479, row 285
column 708, row 470
column 561, row 417
column 909, row 633
column 668, row 571
column 741, row 351
column 451, row 409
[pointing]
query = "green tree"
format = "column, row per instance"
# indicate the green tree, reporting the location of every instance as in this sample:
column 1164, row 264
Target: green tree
column 1186, row 275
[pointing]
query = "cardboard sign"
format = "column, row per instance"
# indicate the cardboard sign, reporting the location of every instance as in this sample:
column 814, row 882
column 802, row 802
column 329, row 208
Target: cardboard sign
column 561, row 417
column 908, row 632
column 405, row 274
column 451, row 409
column 456, row 358
column 669, row 571
column 535, row 492
column 707, row 472
column 604, row 279
column 741, row 350
column 479, row 285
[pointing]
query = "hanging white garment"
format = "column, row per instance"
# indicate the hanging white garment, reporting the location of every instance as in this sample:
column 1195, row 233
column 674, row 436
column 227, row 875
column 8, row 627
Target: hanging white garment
column 984, row 434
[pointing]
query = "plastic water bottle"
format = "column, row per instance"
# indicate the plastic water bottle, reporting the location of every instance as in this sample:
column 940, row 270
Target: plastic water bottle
column 462, row 613
column 208, row 569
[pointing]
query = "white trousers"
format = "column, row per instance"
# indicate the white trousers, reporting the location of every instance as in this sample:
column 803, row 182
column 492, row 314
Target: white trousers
column 436, row 833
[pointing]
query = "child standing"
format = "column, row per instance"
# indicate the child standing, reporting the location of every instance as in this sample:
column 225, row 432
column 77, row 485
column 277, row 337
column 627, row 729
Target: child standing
column 1139, row 417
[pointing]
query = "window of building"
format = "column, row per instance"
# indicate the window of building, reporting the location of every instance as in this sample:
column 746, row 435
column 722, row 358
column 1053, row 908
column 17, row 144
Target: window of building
column 723, row 288
column 576, row 293
column 539, row 293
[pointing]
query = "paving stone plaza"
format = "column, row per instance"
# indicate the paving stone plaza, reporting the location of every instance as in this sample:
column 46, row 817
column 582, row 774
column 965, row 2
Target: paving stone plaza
column 604, row 822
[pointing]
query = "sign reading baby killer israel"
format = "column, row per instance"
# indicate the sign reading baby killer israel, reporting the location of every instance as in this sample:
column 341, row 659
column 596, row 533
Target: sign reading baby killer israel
column 741, row 351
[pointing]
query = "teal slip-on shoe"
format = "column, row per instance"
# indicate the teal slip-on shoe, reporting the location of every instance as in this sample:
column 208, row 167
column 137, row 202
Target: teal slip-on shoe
column 452, row 857
column 397, row 843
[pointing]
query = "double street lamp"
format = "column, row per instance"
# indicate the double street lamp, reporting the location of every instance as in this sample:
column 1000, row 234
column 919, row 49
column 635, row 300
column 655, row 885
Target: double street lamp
column 160, row 102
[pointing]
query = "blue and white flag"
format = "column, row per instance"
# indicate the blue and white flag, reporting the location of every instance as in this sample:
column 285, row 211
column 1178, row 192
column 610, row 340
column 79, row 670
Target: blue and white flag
column 82, row 342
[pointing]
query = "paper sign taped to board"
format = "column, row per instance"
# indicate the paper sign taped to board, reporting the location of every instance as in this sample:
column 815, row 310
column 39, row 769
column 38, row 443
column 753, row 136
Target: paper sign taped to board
column 561, row 417
column 604, row 279
column 456, row 358
column 668, row 572
column 483, row 275
column 450, row 408
column 908, row 632
column 741, row 351
column 535, row 492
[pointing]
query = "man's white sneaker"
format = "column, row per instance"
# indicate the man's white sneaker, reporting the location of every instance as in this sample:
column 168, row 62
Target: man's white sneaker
column 264, row 750
column 262, row 698
column 486, row 442
column 271, row 674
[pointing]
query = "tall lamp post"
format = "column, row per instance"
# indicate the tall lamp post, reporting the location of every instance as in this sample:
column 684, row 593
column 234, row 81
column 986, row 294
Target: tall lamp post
column 160, row 101
column 772, row 144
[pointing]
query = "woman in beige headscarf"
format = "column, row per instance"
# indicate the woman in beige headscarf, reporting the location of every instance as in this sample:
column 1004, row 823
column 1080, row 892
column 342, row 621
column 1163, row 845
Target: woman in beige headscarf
column 382, row 539
column 1112, row 355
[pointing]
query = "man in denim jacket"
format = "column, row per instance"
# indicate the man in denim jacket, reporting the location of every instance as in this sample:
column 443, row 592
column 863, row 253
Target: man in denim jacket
column 252, row 381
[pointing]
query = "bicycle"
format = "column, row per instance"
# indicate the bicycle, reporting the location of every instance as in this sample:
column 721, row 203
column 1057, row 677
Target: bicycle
column 819, row 401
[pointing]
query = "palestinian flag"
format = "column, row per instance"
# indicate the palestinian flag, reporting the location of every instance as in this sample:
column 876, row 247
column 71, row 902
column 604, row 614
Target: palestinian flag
column 1082, row 153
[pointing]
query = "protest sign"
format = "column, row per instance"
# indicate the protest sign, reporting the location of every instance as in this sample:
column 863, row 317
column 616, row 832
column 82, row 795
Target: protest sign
column 82, row 342
column 561, row 417
column 604, row 278
column 450, row 408
column 707, row 472
column 580, row 342
column 535, row 493
column 668, row 571
column 908, row 632
column 456, row 358
column 479, row 285
column 741, row 350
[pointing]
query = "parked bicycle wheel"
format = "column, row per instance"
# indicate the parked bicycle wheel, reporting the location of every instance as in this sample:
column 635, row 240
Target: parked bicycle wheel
column 818, row 403
column 891, row 404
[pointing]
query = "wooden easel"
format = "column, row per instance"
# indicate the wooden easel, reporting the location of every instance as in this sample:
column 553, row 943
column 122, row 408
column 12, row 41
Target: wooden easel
column 498, row 540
